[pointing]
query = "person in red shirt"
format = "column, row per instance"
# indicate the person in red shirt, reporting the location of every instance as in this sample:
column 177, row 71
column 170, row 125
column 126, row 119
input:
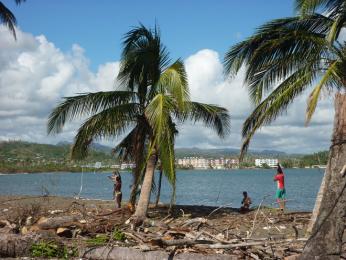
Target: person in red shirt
column 280, row 192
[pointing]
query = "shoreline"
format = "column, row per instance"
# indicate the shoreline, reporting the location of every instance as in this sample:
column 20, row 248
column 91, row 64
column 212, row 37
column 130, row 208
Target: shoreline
column 110, row 170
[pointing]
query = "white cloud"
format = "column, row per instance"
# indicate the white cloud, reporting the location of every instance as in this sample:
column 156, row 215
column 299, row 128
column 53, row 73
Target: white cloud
column 35, row 75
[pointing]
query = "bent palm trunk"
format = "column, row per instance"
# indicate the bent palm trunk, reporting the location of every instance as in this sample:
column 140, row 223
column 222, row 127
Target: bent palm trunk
column 144, row 197
column 137, row 171
column 327, row 234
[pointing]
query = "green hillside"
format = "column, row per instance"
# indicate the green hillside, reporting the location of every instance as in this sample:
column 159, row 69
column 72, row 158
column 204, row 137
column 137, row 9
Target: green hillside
column 19, row 156
column 32, row 151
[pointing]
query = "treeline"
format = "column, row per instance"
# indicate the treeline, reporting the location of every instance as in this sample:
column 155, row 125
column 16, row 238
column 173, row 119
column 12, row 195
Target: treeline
column 319, row 158
column 6, row 167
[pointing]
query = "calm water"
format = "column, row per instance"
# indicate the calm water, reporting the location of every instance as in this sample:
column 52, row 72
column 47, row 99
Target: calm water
column 215, row 188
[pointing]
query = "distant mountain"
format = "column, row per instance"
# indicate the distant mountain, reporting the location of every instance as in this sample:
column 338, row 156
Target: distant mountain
column 29, row 151
column 95, row 146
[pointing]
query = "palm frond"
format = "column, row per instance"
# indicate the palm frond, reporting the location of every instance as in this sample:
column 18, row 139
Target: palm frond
column 110, row 122
column 158, row 113
column 212, row 116
column 8, row 18
column 173, row 81
column 18, row 2
column 143, row 59
column 85, row 105
column 276, row 50
column 314, row 96
column 306, row 7
column 276, row 103
column 336, row 28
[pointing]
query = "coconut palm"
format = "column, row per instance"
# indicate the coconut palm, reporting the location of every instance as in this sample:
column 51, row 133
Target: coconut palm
column 284, row 58
column 152, row 97
column 8, row 18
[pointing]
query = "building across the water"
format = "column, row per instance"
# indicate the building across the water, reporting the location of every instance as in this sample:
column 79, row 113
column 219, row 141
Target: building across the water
column 204, row 163
column 270, row 162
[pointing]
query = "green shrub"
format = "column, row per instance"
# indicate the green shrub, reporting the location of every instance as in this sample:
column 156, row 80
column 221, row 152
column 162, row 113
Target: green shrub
column 100, row 239
column 118, row 235
column 51, row 249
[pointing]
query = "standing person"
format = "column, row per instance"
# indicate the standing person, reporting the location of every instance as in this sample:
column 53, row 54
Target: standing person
column 117, row 194
column 280, row 192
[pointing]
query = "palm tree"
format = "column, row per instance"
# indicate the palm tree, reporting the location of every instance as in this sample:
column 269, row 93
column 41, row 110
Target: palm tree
column 8, row 18
column 152, row 96
column 283, row 59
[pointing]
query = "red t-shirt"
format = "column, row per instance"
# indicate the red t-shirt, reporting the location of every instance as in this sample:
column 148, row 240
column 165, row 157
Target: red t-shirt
column 280, row 178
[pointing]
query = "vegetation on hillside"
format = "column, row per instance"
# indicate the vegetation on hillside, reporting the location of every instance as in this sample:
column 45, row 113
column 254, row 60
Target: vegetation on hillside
column 19, row 156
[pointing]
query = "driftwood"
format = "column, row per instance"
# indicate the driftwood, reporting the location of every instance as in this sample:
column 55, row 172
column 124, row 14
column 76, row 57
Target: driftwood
column 13, row 245
column 194, row 220
column 178, row 242
column 7, row 227
column 122, row 253
column 248, row 244
column 56, row 222
column 115, row 211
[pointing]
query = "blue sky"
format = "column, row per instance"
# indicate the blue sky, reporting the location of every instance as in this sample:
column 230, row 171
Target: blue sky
column 68, row 47
column 187, row 26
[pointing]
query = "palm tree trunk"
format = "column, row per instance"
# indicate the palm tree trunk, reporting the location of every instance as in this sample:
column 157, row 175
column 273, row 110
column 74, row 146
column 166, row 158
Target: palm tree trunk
column 159, row 188
column 133, row 192
column 327, row 234
column 144, row 197
column 137, row 171
column 317, row 204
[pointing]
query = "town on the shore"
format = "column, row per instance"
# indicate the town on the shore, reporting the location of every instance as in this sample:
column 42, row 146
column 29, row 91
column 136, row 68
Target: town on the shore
column 201, row 163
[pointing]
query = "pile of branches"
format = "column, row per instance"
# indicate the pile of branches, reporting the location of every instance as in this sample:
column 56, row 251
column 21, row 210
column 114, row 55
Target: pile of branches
column 173, row 234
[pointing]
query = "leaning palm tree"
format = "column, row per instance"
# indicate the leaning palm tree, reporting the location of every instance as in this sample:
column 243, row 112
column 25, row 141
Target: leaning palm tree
column 152, row 96
column 283, row 59
column 8, row 18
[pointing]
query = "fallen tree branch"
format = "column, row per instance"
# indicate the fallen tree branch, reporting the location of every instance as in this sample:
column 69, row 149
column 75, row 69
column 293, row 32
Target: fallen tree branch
column 110, row 213
column 179, row 242
column 194, row 220
column 254, row 221
column 247, row 244
column 223, row 206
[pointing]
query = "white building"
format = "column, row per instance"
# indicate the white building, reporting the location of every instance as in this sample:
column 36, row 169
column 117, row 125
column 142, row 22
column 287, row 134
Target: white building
column 270, row 162
column 203, row 163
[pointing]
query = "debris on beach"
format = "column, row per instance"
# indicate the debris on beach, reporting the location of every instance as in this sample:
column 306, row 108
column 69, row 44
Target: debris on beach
column 96, row 229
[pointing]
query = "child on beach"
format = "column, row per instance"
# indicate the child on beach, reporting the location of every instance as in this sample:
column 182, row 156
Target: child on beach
column 246, row 202
column 117, row 195
column 281, row 191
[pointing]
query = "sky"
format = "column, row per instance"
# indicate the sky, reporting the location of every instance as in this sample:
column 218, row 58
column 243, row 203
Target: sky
column 68, row 47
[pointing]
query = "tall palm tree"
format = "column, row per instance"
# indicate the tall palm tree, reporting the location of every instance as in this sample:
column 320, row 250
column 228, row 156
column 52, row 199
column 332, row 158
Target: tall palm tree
column 8, row 18
column 284, row 58
column 152, row 96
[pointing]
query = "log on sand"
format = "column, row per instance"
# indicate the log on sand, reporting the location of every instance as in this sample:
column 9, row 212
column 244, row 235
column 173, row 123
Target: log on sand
column 122, row 253
column 13, row 245
column 56, row 222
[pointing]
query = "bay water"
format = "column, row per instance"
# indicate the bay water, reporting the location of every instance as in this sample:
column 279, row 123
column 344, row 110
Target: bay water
column 193, row 187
